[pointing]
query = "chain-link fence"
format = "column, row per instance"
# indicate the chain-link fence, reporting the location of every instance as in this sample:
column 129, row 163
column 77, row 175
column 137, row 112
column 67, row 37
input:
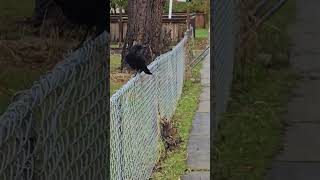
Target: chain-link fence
column 58, row 128
column 224, row 39
column 234, row 25
column 136, row 110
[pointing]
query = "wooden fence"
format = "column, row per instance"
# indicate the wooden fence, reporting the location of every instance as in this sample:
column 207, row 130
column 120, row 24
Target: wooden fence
column 176, row 25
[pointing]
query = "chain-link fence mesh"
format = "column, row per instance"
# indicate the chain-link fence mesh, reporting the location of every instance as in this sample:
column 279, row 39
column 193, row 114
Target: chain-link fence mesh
column 136, row 110
column 58, row 128
column 224, row 35
column 235, row 43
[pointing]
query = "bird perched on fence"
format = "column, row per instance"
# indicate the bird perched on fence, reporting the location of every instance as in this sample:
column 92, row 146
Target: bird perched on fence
column 136, row 59
column 91, row 13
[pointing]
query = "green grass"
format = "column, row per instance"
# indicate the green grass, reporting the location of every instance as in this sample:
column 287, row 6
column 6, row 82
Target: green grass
column 13, row 80
column 201, row 39
column 115, row 62
column 12, row 11
column 202, row 33
column 16, row 8
column 174, row 164
column 114, row 86
column 249, row 135
column 114, row 45
column 250, row 132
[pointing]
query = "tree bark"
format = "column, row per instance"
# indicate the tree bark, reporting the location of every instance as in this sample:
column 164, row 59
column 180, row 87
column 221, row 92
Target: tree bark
column 144, row 27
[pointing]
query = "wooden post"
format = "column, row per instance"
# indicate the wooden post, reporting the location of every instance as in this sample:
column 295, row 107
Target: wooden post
column 188, row 17
column 120, row 28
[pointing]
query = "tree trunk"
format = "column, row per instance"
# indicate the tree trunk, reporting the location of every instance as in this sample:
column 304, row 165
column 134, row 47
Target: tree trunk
column 144, row 27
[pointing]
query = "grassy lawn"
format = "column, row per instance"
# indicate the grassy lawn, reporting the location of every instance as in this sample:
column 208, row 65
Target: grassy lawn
column 115, row 63
column 250, row 132
column 201, row 39
column 16, row 8
column 114, row 45
column 12, row 11
column 202, row 33
column 13, row 80
column 174, row 164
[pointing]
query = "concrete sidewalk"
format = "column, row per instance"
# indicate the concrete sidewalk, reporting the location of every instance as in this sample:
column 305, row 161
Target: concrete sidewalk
column 300, row 158
column 199, row 142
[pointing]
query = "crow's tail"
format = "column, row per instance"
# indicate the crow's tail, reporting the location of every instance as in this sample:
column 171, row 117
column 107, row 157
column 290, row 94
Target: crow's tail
column 146, row 70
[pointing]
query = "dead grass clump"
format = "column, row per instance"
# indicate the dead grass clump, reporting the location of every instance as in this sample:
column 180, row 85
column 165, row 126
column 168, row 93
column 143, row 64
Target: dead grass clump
column 119, row 77
column 169, row 135
column 32, row 52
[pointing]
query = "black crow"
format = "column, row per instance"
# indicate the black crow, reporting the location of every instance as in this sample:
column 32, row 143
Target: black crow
column 136, row 59
column 91, row 13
